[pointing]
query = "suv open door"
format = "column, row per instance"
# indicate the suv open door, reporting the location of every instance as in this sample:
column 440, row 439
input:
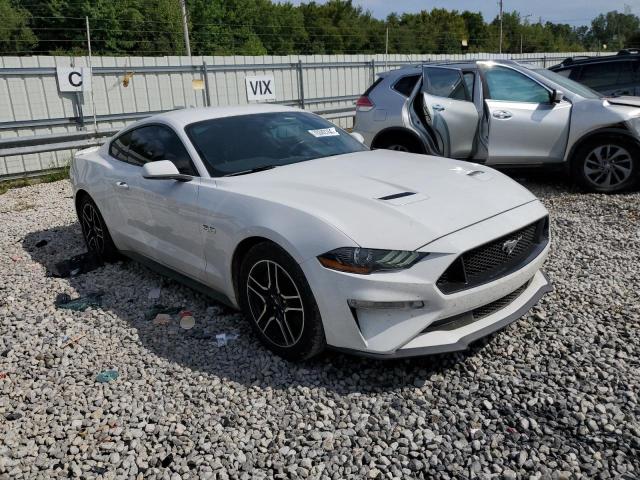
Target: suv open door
column 526, row 125
column 449, row 111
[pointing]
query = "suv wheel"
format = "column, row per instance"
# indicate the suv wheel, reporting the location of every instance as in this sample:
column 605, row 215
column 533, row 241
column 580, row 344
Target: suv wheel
column 276, row 299
column 399, row 141
column 398, row 147
column 607, row 165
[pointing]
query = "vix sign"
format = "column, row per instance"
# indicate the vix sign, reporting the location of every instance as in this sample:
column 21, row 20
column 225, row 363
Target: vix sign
column 74, row 79
column 260, row 88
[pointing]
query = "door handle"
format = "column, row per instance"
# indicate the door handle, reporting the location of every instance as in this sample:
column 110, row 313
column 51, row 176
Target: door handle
column 122, row 185
column 502, row 114
column 438, row 108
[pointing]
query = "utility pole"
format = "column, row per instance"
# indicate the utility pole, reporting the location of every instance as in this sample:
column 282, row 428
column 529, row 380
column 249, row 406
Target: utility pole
column 521, row 43
column 185, row 27
column 386, row 50
column 500, row 3
column 93, row 103
column 525, row 22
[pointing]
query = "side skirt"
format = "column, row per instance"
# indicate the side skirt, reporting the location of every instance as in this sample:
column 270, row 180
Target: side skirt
column 179, row 277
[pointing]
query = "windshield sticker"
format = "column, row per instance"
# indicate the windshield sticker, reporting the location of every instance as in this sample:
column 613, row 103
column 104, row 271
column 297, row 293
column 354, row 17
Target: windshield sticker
column 324, row 132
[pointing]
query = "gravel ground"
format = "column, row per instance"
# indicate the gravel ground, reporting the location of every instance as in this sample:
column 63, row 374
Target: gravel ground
column 555, row 395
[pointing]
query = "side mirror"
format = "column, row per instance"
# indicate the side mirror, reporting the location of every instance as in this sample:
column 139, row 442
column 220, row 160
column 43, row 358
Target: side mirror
column 357, row 136
column 163, row 170
column 557, row 96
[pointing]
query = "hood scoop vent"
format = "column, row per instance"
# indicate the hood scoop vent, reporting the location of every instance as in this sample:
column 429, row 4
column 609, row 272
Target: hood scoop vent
column 396, row 195
column 403, row 198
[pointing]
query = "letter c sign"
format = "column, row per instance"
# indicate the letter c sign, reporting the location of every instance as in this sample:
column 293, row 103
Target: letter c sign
column 73, row 79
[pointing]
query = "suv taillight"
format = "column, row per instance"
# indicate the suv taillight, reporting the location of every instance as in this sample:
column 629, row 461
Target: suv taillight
column 364, row 104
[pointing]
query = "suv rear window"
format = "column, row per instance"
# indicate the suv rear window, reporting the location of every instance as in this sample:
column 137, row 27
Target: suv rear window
column 406, row 84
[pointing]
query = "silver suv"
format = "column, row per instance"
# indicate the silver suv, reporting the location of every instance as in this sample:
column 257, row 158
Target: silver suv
column 505, row 114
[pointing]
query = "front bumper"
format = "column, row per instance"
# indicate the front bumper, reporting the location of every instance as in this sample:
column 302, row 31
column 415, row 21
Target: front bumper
column 390, row 333
column 443, row 341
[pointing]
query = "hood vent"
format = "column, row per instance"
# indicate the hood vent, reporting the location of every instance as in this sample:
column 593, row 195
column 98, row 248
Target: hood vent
column 397, row 195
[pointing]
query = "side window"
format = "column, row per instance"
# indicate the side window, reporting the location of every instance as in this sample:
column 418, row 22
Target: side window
column 120, row 147
column 406, row 84
column 599, row 75
column 512, row 86
column 446, row 82
column 153, row 143
column 626, row 73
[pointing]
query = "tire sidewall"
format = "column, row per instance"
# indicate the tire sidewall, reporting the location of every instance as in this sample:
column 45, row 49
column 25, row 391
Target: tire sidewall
column 580, row 157
column 110, row 252
column 312, row 340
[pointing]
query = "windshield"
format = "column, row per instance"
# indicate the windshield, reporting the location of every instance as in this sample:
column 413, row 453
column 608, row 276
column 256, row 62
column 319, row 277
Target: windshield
column 568, row 85
column 249, row 143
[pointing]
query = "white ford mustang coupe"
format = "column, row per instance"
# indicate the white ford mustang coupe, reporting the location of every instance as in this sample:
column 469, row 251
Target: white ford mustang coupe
column 318, row 240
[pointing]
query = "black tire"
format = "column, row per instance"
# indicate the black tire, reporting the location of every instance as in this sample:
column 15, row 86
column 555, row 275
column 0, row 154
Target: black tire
column 295, row 334
column 607, row 165
column 94, row 230
column 398, row 142
column 398, row 147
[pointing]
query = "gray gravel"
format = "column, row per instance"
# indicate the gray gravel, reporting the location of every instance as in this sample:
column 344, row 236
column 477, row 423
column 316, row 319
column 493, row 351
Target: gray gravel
column 555, row 395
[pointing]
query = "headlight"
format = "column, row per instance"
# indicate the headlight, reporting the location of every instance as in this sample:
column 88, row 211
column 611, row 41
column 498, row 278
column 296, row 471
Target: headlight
column 369, row 260
column 635, row 125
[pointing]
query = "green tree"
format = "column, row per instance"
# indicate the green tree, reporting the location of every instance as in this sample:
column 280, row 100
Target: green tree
column 614, row 28
column 117, row 26
column 258, row 27
column 15, row 34
column 477, row 30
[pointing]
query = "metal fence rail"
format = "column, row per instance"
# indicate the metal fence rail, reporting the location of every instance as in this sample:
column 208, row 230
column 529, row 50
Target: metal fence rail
column 40, row 127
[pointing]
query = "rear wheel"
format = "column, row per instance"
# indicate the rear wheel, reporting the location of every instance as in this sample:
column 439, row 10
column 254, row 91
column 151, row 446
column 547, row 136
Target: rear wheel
column 607, row 165
column 94, row 229
column 399, row 142
column 276, row 299
column 398, row 147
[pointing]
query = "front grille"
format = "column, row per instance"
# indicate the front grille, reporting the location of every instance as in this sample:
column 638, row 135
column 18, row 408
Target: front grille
column 495, row 259
column 499, row 304
column 464, row 319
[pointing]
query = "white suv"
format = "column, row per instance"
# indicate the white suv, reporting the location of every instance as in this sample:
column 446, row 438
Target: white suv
column 505, row 114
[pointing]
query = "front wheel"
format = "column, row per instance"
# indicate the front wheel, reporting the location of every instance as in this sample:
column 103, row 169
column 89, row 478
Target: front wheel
column 607, row 165
column 276, row 299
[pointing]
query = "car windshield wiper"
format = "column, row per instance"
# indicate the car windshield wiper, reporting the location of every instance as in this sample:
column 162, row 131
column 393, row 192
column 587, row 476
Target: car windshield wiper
column 251, row 170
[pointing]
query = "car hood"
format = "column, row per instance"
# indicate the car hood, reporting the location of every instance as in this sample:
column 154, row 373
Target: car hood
column 387, row 199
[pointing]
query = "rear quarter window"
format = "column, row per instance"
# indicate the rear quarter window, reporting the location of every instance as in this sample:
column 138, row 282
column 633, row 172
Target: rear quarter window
column 406, row 84
column 119, row 148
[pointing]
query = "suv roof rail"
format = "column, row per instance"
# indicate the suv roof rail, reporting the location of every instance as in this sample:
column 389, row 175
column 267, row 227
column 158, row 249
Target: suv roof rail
column 570, row 60
column 629, row 51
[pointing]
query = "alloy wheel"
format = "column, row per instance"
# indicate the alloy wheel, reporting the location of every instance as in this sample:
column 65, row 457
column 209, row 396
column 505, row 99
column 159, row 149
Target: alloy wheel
column 608, row 166
column 92, row 228
column 275, row 303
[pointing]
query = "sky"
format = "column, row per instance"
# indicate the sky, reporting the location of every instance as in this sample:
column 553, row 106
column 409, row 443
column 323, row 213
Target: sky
column 574, row 12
